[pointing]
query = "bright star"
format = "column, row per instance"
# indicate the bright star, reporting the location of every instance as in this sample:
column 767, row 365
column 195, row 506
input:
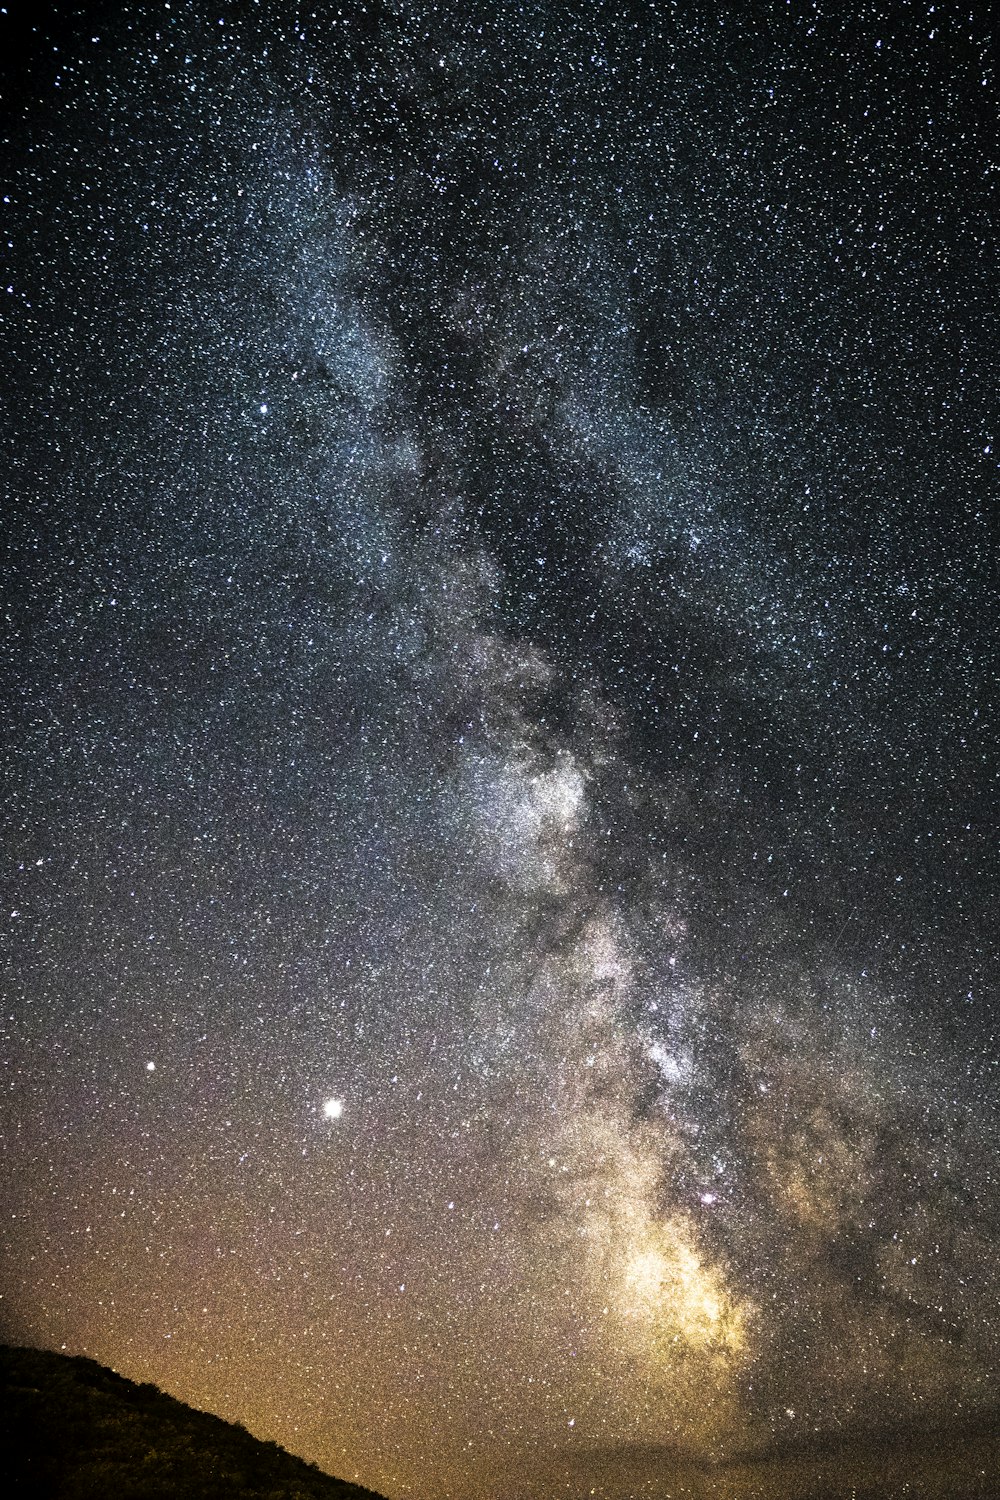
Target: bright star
column 333, row 1108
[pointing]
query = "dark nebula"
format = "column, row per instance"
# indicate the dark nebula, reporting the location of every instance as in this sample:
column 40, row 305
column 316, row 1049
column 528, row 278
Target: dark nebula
column 500, row 809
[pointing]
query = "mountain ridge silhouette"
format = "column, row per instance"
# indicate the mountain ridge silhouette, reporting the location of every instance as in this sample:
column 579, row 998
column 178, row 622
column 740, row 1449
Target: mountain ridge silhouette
column 73, row 1429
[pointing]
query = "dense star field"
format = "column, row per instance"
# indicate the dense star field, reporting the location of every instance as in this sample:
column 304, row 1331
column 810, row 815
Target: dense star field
column 499, row 829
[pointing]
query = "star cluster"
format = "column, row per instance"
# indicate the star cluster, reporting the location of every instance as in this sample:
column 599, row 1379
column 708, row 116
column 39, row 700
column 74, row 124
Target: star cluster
column 499, row 842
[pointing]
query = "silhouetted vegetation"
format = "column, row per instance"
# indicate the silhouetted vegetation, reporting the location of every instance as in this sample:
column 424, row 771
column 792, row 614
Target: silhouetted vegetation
column 74, row 1430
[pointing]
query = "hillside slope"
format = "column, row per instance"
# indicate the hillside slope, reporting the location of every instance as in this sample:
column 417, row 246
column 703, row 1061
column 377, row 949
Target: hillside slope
column 74, row 1430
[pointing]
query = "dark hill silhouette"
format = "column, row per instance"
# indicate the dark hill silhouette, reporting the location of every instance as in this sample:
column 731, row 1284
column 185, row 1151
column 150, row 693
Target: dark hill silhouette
column 71, row 1429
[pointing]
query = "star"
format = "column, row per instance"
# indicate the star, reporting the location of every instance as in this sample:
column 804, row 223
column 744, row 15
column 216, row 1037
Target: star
column 501, row 641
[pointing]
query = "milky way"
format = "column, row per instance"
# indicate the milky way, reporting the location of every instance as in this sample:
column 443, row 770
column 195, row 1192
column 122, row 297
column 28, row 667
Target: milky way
column 499, row 839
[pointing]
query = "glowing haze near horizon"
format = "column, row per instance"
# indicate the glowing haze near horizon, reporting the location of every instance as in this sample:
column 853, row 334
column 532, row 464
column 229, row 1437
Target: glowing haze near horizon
column 499, row 830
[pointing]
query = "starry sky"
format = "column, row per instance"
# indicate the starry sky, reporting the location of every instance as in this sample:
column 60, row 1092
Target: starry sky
column 500, row 642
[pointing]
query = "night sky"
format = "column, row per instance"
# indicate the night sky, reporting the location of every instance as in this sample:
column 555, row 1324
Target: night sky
column 500, row 767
